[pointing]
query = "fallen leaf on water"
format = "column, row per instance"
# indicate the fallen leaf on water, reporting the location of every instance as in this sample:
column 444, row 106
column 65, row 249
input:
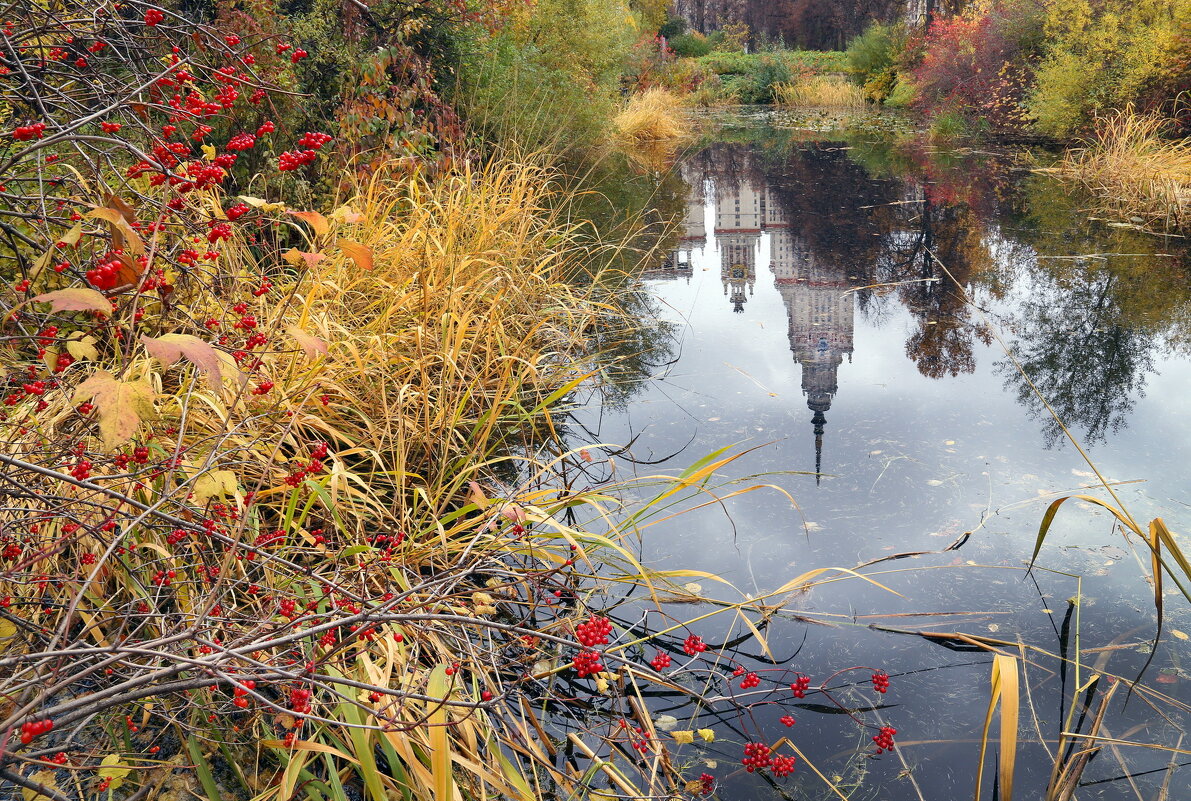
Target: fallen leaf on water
column 933, row 482
column 666, row 722
column 1181, row 635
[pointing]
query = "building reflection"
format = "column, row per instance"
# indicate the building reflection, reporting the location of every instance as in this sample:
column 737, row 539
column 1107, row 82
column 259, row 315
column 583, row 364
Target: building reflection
column 820, row 309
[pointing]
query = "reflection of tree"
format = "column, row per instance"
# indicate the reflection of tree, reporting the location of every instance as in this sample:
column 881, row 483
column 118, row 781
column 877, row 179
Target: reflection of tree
column 1088, row 360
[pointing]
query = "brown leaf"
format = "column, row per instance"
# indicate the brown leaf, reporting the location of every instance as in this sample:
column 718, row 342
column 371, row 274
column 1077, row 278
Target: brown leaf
column 360, row 254
column 76, row 299
column 119, row 405
column 169, row 348
column 117, row 203
column 315, row 220
column 310, row 344
column 121, row 231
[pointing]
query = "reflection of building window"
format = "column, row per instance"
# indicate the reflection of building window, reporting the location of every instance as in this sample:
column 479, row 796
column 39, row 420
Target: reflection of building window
column 823, row 344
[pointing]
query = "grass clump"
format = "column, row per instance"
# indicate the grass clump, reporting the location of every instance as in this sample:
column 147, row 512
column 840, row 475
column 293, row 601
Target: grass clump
column 1136, row 168
column 654, row 115
column 266, row 509
column 831, row 91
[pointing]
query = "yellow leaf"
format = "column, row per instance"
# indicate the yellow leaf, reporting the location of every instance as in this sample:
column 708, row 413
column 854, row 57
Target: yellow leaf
column 82, row 347
column 708, row 735
column 1180, row 634
column 345, row 214
column 76, row 299
column 209, row 152
column 7, row 629
column 263, row 205
column 112, row 768
column 120, row 405
column 315, row 220
column 683, row 737
column 72, row 236
column 43, row 777
column 169, row 348
column 215, row 482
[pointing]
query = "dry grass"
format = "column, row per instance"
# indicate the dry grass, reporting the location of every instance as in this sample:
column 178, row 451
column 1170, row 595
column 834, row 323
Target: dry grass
column 654, row 115
column 1136, row 169
column 828, row 91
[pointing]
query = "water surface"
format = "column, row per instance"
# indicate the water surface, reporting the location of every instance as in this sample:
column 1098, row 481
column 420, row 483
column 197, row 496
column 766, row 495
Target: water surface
column 862, row 316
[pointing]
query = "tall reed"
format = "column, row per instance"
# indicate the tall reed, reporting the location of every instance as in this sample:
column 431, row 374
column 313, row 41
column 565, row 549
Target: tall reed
column 1136, row 167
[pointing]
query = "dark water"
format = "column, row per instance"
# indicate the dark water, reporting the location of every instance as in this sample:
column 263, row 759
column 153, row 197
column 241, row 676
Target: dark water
column 836, row 308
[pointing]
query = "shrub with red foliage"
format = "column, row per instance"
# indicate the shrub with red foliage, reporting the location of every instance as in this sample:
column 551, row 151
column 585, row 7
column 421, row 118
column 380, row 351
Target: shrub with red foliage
column 976, row 65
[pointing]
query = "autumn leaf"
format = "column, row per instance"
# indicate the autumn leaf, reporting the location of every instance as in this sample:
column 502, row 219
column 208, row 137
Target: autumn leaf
column 315, row 220
column 72, row 236
column 345, row 214
column 683, row 737
column 263, row 205
column 295, row 257
column 76, row 299
column 45, row 778
column 169, row 348
column 120, row 405
column 215, row 482
column 360, row 254
column 82, row 346
column 117, row 203
column 708, row 735
column 121, row 231
column 310, row 344
column 110, row 767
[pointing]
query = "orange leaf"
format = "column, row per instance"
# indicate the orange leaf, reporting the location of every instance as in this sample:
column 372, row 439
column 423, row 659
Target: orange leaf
column 360, row 254
column 315, row 220
column 76, row 299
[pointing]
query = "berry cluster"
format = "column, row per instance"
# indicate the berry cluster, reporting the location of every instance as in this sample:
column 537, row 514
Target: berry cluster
column 884, row 739
column 35, row 728
column 881, row 681
column 105, row 276
column 293, row 159
column 756, row 757
column 694, row 645
column 787, row 720
column 26, row 133
column 299, row 701
column 241, row 693
column 313, row 140
column 154, row 16
column 587, row 663
column 750, row 681
column 594, row 632
column 661, row 661
column 781, row 766
column 800, row 686
column 708, row 782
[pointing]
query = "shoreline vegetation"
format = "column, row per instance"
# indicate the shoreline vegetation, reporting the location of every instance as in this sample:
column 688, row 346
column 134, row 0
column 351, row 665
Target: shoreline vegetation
column 289, row 333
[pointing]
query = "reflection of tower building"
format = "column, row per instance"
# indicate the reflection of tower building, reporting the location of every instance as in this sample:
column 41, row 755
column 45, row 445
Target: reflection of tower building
column 821, row 315
column 739, row 216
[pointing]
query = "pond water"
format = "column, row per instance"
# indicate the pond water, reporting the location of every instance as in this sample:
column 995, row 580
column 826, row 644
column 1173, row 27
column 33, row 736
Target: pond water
column 841, row 308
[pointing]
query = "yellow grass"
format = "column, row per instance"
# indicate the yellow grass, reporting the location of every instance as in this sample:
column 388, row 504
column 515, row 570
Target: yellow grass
column 832, row 91
column 1136, row 169
column 654, row 115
